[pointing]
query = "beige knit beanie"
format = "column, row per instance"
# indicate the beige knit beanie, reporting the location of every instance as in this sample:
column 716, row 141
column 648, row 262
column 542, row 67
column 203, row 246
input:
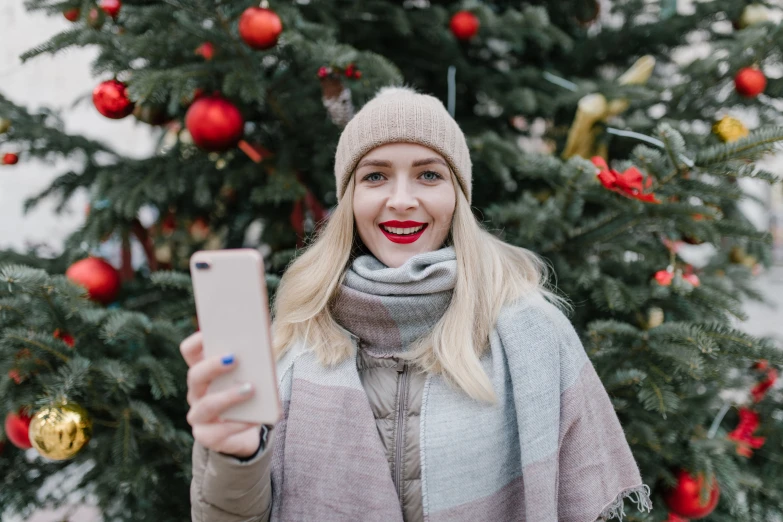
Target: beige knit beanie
column 400, row 114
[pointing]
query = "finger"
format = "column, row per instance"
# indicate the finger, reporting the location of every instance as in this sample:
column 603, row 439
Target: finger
column 212, row 434
column 241, row 440
column 192, row 348
column 204, row 372
column 211, row 406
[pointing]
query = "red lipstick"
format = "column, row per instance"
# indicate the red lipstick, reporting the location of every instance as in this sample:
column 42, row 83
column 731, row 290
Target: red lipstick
column 401, row 238
column 401, row 224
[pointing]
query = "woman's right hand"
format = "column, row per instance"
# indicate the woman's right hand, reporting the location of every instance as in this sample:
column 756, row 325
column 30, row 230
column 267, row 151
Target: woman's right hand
column 239, row 439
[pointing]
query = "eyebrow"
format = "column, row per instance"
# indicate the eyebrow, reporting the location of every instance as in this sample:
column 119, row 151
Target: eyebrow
column 384, row 163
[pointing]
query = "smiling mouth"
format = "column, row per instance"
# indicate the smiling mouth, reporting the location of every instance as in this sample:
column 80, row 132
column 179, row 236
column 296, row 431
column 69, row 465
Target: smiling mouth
column 403, row 235
column 403, row 231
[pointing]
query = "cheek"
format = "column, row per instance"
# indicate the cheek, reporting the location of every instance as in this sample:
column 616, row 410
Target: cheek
column 364, row 212
column 443, row 205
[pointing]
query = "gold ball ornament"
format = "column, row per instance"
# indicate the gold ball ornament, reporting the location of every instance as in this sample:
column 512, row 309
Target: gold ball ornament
column 729, row 129
column 5, row 124
column 738, row 256
column 750, row 262
column 59, row 432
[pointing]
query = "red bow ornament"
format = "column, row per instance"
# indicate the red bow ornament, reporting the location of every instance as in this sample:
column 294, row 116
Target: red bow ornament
column 760, row 389
column 743, row 433
column 628, row 183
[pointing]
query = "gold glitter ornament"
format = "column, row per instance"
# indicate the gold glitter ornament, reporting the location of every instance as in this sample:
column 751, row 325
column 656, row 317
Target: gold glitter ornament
column 729, row 129
column 5, row 124
column 60, row 431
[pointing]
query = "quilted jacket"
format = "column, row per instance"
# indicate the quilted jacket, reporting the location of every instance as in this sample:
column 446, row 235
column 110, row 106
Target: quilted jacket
column 226, row 489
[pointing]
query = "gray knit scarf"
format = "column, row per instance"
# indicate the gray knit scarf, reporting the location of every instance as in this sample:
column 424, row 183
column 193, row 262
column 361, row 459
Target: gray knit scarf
column 551, row 449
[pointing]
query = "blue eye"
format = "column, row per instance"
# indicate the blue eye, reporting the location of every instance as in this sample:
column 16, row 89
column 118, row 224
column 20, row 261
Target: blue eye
column 368, row 176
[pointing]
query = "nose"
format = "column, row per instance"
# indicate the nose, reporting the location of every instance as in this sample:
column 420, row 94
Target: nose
column 402, row 196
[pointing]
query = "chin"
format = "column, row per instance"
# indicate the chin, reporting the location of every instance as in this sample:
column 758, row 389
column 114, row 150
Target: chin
column 397, row 259
column 393, row 255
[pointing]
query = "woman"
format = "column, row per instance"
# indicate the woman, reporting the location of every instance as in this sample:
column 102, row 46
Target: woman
column 424, row 372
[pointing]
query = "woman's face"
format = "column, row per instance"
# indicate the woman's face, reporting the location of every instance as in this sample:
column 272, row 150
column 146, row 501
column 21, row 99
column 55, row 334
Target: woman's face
column 403, row 201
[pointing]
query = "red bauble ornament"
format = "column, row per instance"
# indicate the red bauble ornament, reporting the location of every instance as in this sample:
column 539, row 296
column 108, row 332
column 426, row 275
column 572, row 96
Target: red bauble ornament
column 111, row 99
column 750, row 82
column 587, row 12
column 110, row 7
column 72, row 14
column 683, row 499
column 13, row 374
column 17, row 426
column 260, row 27
column 206, row 50
column 66, row 337
column 95, row 18
column 199, row 229
column 464, row 25
column 9, row 158
column 168, row 224
column 664, row 277
column 214, row 123
column 352, row 72
column 101, row 280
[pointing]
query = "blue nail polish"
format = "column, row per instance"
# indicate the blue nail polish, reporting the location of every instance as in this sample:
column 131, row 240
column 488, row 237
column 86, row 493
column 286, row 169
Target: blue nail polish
column 228, row 359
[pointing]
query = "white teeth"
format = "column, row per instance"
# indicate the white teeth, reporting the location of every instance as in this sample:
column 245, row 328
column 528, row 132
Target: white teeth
column 402, row 231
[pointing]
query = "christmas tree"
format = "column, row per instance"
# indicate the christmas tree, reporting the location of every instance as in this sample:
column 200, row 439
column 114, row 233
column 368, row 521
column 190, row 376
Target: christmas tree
column 594, row 143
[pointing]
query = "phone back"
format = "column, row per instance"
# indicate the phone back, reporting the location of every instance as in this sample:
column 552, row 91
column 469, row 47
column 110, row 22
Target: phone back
column 233, row 314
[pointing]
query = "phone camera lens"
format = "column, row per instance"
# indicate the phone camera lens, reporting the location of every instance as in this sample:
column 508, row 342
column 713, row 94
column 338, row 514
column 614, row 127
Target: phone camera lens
column 201, row 265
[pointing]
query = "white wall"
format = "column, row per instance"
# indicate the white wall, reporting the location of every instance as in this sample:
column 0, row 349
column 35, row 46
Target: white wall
column 56, row 82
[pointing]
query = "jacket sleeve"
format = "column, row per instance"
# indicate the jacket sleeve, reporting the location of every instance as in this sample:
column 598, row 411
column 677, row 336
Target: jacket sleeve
column 226, row 489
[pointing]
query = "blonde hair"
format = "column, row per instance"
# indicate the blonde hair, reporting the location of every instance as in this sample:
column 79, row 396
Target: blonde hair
column 490, row 274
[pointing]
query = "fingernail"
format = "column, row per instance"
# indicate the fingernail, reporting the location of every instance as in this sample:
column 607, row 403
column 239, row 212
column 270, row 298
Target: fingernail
column 228, row 359
column 245, row 388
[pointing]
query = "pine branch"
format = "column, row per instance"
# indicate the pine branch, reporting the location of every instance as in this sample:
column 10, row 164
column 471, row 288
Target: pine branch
column 171, row 279
column 162, row 383
column 125, row 448
column 61, row 41
column 658, row 396
column 752, row 146
column 20, row 338
column 69, row 382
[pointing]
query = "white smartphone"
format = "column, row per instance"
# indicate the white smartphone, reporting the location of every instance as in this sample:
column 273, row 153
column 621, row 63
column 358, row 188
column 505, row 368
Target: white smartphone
column 233, row 315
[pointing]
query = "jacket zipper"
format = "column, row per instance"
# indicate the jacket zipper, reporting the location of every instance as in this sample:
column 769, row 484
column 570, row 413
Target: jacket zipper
column 400, row 426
